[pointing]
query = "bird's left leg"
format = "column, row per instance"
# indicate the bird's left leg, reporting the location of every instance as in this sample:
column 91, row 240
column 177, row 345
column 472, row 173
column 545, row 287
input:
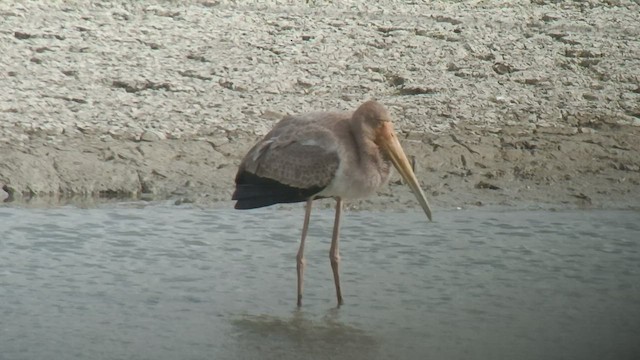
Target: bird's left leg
column 300, row 261
column 334, row 253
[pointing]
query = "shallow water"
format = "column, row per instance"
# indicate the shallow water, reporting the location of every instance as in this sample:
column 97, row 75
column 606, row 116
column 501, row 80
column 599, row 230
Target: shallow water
column 168, row 282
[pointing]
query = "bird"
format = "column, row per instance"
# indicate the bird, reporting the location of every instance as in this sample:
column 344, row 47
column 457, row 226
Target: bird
column 326, row 154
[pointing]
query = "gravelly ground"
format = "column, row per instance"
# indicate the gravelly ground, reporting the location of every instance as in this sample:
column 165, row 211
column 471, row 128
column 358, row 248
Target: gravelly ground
column 501, row 102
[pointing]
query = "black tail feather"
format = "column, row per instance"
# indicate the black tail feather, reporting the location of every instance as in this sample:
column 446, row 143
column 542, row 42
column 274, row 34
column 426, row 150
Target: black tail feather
column 253, row 191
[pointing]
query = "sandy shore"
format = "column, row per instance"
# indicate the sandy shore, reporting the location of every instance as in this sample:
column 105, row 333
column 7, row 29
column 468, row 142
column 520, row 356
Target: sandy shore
column 525, row 103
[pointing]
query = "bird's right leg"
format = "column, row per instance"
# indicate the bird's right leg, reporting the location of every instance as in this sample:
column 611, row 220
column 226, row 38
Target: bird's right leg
column 300, row 261
column 334, row 253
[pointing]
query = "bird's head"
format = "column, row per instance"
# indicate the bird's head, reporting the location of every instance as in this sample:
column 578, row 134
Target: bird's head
column 377, row 126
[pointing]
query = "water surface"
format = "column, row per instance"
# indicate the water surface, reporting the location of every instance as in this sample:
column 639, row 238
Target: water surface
column 169, row 282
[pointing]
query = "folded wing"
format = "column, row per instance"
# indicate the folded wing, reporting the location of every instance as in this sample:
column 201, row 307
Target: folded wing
column 295, row 161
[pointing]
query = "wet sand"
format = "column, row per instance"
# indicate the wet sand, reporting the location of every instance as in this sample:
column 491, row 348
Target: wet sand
column 524, row 104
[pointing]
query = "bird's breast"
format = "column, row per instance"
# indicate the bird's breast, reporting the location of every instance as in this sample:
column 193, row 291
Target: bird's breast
column 358, row 180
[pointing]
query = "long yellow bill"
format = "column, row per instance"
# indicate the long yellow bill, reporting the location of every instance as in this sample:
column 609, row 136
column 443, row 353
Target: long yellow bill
column 389, row 142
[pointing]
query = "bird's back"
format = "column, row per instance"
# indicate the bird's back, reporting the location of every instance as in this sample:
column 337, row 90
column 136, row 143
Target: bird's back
column 296, row 160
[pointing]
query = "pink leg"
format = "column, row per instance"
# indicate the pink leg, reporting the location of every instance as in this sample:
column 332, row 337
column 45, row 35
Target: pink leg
column 300, row 261
column 334, row 253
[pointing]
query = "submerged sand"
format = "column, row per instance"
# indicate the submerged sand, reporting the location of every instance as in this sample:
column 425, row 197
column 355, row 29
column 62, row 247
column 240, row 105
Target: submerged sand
column 525, row 103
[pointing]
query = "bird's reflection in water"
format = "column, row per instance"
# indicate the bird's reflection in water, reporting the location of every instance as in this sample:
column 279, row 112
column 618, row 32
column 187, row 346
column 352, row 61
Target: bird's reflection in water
column 299, row 337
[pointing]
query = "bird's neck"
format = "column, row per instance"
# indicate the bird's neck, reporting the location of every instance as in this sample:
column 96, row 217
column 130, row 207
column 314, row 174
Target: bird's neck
column 367, row 150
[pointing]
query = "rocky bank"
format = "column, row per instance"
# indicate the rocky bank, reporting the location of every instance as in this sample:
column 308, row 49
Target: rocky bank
column 523, row 103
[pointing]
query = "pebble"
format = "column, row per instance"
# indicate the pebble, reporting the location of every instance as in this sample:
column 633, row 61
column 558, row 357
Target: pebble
column 151, row 135
column 3, row 194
